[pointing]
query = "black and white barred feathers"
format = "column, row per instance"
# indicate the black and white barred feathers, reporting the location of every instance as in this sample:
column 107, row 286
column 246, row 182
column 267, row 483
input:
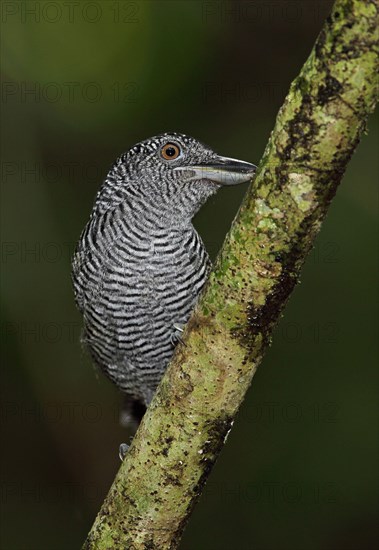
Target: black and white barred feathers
column 140, row 265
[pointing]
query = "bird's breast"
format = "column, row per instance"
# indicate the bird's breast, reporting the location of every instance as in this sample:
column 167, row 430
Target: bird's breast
column 123, row 263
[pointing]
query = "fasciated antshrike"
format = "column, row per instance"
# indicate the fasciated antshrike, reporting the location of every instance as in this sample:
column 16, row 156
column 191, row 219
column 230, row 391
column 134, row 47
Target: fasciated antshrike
column 140, row 265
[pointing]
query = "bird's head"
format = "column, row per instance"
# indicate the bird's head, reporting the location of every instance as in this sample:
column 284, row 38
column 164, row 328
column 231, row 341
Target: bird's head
column 172, row 172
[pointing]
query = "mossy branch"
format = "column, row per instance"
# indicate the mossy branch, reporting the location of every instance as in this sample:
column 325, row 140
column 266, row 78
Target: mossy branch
column 186, row 425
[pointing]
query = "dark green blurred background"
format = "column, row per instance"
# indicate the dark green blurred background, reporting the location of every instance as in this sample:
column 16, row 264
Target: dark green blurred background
column 82, row 82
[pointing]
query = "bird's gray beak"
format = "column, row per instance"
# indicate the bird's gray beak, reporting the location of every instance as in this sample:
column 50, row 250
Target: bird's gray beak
column 222, row 170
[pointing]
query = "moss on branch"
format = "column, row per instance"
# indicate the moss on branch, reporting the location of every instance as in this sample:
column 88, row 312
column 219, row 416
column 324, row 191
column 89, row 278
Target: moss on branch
column 184, row 429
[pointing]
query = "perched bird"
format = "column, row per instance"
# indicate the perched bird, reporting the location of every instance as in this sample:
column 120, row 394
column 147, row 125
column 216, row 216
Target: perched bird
column 140, row 265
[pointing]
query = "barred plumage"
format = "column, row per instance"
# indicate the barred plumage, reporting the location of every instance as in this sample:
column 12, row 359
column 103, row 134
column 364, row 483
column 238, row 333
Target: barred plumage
column 140, row 265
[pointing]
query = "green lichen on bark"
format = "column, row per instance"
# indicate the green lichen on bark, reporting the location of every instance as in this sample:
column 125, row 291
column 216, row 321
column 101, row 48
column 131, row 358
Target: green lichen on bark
column 182, row 433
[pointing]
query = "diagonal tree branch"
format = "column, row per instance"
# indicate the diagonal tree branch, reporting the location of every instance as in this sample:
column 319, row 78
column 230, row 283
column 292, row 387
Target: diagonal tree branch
column 186, row 425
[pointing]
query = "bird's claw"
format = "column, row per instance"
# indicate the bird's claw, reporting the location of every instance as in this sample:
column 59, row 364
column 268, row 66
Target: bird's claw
column 176, row 336
column 122, row 450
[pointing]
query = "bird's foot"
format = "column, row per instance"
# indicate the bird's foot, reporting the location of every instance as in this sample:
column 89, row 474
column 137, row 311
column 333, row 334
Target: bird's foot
column 122, row 450
column 176, row 336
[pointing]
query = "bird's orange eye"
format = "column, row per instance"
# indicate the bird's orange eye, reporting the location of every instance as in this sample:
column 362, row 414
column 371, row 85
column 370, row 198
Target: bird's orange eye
column 170, row 151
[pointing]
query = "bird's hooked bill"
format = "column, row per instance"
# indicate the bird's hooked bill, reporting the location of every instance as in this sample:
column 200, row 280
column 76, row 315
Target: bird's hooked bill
column 223, row 170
